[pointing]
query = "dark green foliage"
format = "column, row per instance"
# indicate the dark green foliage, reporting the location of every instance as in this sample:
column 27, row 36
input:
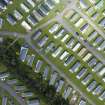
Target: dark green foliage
column 8, row 55
column 32, row 80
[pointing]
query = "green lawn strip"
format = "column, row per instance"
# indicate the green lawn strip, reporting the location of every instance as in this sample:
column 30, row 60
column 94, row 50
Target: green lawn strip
column 96, row 22
column 18, row 27
column 88, row 103
column 56, row 62
column 38, row 57
column 74, row 79
column 76, row 29
column 63, row 86
column 0, row 100
column 10, row 8
column 23, row 81
column 22, row 69
column 99, row 11
column 52, row 14
column 3, row 68
column 85, row 36
column 58, row 42
column 45, row 64
column 36, row 92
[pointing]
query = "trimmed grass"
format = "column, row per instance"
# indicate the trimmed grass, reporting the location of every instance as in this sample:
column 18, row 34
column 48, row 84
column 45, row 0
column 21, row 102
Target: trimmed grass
column 18, row 27
column 72, row 77
column 0, row 100
column 2, row 68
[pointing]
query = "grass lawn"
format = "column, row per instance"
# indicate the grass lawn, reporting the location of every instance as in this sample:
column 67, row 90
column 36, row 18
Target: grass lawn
column 65, row 70
column 18, row 27
column 0, row 100
column 2, row 68
column 59, row 64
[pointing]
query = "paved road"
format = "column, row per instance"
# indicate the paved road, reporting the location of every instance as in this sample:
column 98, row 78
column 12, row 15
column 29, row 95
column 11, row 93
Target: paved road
column 13, row 34
column 73, row 5
column 54, row 67
column 43, row 25
column 27, row 38
column 89, row 21
column 7, row 88
column 20, row 35
column 59, row 19
column 86, row 44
